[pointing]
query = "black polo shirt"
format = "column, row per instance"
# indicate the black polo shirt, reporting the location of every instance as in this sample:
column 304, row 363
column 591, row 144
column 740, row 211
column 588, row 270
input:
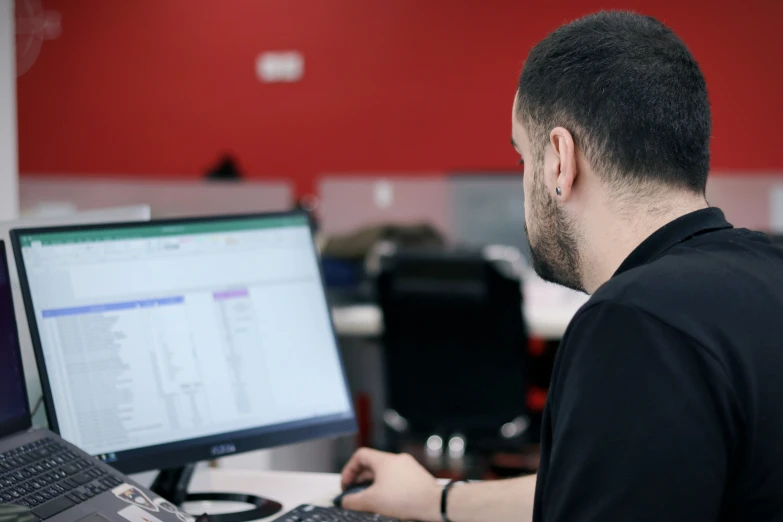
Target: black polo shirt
column 666, row 401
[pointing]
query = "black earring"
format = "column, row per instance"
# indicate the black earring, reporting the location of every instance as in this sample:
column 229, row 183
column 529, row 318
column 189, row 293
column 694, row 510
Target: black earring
column 558, row 191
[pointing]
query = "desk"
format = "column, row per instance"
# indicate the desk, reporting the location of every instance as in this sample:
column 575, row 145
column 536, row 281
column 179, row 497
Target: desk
column 547, row 310
column 289, row 488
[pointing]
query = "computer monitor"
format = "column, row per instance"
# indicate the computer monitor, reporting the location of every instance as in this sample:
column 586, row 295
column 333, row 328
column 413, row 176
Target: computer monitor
column 102, row 215
column 169, row 342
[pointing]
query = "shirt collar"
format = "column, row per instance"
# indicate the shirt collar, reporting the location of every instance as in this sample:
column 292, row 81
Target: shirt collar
column 671, row 234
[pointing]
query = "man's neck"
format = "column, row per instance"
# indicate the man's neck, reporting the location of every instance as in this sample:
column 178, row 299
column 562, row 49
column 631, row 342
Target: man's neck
column 612, row 235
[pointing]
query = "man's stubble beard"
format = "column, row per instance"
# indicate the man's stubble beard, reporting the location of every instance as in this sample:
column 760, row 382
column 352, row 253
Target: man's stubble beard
column 554, row 251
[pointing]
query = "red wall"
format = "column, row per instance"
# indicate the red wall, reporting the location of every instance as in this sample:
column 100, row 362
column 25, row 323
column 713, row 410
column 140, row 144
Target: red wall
column 163, row 87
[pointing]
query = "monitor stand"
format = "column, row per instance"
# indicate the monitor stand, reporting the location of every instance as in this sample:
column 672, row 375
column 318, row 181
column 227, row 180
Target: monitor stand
column 172, row 484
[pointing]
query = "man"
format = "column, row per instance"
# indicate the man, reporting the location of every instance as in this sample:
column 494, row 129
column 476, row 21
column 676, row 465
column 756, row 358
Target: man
column 667, row 394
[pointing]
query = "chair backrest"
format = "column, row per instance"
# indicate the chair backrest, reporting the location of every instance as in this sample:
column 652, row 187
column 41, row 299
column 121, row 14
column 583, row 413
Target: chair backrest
column 454, row 341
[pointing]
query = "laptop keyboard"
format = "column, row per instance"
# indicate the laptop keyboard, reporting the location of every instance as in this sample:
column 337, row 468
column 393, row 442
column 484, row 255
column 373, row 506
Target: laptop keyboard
column 48, row 478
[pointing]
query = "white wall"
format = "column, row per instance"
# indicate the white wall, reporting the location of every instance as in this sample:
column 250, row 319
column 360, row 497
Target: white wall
column 9, row 169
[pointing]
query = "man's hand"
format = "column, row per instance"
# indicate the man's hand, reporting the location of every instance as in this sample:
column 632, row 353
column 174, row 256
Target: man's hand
column 401, row 488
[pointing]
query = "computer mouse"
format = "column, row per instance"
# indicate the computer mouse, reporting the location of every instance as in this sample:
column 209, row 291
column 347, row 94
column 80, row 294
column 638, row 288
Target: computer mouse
column 350, row 490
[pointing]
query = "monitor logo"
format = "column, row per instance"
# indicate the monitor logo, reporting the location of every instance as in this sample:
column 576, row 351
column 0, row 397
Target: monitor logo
column 223, row 449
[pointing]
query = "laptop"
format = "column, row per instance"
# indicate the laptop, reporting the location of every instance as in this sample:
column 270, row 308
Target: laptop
column 40, row 471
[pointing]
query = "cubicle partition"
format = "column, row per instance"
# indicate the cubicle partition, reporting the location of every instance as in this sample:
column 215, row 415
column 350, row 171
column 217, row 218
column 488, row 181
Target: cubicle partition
column 752, row 201
column 487, row 207
column 351, row 202
column 46, row 195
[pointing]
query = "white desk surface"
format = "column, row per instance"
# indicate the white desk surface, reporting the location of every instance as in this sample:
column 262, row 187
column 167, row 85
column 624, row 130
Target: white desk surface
column 547, row 310
column 289, row 488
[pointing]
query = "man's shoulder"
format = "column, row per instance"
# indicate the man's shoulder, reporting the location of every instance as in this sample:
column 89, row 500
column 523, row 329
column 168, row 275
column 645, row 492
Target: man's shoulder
column 701, row 276
column 709, row 291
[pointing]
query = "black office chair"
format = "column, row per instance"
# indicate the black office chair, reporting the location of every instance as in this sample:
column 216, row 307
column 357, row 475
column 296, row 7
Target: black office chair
column 455, row 345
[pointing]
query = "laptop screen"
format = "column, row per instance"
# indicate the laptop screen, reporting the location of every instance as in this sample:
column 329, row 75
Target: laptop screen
column 14, row 413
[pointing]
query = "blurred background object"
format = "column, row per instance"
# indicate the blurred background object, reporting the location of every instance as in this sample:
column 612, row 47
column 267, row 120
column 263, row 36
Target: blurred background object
column 33, row 26
column 455, row 346
column 226, row 169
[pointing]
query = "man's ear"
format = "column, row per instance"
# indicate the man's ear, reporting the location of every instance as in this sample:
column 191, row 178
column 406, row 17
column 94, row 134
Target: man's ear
column 563, row 171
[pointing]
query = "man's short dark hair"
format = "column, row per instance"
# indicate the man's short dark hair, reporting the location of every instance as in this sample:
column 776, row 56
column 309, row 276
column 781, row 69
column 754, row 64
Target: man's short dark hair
column 631, row 94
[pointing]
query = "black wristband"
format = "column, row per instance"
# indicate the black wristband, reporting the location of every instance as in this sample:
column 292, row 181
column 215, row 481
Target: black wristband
column 444, row 497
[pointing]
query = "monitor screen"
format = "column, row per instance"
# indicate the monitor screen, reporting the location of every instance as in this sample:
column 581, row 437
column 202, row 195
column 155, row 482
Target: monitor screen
column 14, row 413
column 209, row 334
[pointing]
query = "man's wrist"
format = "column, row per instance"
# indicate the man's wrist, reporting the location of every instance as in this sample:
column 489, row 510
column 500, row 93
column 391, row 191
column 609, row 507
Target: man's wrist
column 446, row 512
column 432, row 503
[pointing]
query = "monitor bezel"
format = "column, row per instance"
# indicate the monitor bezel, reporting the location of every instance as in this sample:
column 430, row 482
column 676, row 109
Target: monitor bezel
column 189, row 451
column 24, row 421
